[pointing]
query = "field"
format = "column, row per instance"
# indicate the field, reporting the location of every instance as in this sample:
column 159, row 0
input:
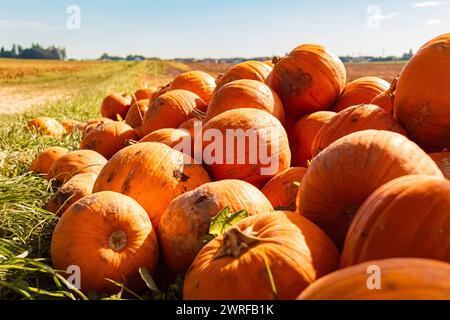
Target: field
column 65, row 90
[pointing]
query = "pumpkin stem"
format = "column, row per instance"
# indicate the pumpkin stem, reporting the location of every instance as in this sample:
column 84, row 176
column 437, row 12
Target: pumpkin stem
column 275, row 60
column 234, row 241
column 117, row 240
column 219, row 77
column 392, row 88
column 200, row 115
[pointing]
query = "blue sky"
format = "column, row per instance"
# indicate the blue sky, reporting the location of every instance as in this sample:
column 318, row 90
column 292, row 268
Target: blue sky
column 205, row 28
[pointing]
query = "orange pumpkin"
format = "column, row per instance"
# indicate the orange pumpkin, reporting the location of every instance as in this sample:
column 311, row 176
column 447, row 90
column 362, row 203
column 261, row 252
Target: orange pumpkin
column 400, row 279
column 422, row 99
column 151, row 173
column 407, row 217
column 282, row 189
column 245, row 94
column 170, row 110
column 385, row 100
column 70, row 192
column 73, row 125
column 360, row 91
column 47, row 126
column 144, row 94
column 267, row 256
column 356, row 118
column 442, row 159
column 349, row 170
column 309, row 79
column 169, row 136
column 185, row 222
column 252, row 70
column 198, row 82
column 45, row 159
column 303, row 134
column 108, row 138
column 76, row 162
column 160, row 91
column 255, row 159
column 115, row 105
column 136, row 113
column 91, row 124
column 107, row 235
column 190, row 126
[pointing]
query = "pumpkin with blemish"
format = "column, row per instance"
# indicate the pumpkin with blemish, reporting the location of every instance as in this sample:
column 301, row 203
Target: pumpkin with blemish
column 45, row 159
column 47, row 126
column 91, row 124
column 252, row 70
column 116, row 105
column 198, row 82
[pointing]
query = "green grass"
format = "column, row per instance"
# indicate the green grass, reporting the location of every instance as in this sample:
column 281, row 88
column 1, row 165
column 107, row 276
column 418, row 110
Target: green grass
column 25, row 228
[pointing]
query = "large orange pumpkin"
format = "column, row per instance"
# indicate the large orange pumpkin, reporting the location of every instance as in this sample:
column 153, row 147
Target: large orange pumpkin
column 115, row 105
column 47, row 126
column 76, row 162
column 170, row 110
column 422, row 98
column 186, row 220
column 407, row 217
column 107, row 235
column 151, row 173
column 171, row 137
column 309, row 79
column 109, row 138
column 282, row 189
column 267, row 256
column 245, row 94
column 385, row 100
column 302, row 136
column 257, row 146
column 400, row 279
column 360, row 91
column 349, row 170
column 198, row 82
column 135, row 115
column 356, row 118
column 442, row 159
column 45, row 159
column 252, row 70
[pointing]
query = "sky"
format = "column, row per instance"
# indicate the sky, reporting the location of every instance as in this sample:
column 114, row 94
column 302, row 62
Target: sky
column 231, row 28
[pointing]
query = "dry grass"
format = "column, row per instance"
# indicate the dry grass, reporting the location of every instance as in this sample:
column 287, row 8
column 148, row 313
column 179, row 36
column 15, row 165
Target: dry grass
column 387, row 71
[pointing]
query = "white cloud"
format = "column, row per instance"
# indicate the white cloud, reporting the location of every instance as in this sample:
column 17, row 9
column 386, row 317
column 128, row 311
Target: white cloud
column 429, row 4
column 28, row 25
column 433, row 22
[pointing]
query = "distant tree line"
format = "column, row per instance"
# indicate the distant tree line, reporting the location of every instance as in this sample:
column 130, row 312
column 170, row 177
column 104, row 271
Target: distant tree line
column 130, row 57
column 34, row 52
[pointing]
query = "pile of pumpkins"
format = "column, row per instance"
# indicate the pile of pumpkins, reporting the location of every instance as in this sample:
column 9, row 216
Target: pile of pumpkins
column 361, row 182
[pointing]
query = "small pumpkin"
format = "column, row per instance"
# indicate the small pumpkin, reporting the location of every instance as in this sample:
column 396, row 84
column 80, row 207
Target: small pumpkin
column 360, row 91
column 422, row 99
column 442, row 160
column 401, row 279
column 45, row 159
column 76, row 162
column 186, row 220
column 356, row 118
column 144, row 94
column 70, row 192
column 47, row 126
column 170, row 137
column 108, row 236
column 303, row 134
column 252, row 70
column 385, row 100
column 258, row 155
column 116, row 105
column 266, row 256
column 135, row 115
column 151, row 173
column 198, row 82
column 91, row 124
column 309, row 79
column 108, row 138
column 348, row 171
column 282, row 189
column 407, row 217
column 245, row 94
column 73, row 125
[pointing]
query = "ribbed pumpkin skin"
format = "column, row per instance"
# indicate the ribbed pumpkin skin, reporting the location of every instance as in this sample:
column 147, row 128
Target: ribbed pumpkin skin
column 245, row 94
column 170, row 137
column 170, row 110
column 186, row 220
column 108, row 138
column 303, row 134
column 269, row 135
column 407, row 217
column 401, row 279
column 84, row 236
column 349, row 170
column 282, row 189
column 309, row 79
column 360, row 91
column 422, row 99
column 252, row 70
column 297, row 253
column 198, row 82
column 47, row 126
column 151, row 173
column 353, row 119
column 116, row 104
column 135, row 115
column 45, row 159
column 76, row 162
column 442, row 160
column 384, row 101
